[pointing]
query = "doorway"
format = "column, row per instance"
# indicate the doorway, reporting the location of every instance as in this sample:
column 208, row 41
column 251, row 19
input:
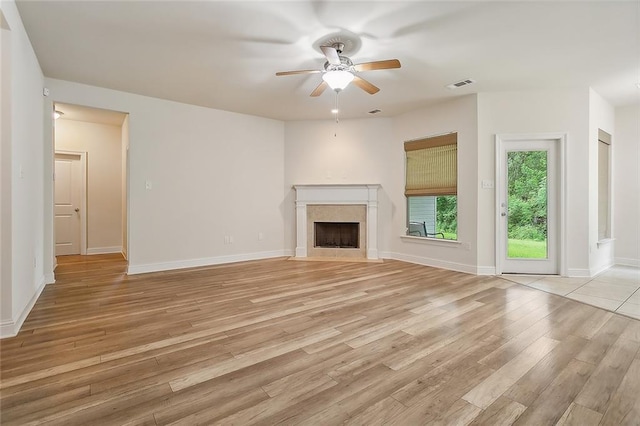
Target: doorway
column 529, row 208
column 97, row 139
column 70, row 219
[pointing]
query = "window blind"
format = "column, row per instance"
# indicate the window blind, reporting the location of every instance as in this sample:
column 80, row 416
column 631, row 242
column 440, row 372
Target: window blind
column 432, row 166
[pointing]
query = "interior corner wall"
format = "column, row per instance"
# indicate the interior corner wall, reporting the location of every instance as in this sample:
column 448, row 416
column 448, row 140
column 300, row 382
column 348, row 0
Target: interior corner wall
column 601, row 116
column 196, row 176
column 103, row 145
column 458, row 115
column 124, row 164
column 542, row 111
column 626, row 185
column 356, row 151
column 5, row 174
column 27, row 194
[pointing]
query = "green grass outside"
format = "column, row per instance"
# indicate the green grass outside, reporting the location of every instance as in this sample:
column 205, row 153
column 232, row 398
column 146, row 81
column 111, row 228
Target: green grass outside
column 527, row 249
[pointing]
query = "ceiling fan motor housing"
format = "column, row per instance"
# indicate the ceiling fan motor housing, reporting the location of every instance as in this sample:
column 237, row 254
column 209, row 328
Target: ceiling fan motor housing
column 345, row 65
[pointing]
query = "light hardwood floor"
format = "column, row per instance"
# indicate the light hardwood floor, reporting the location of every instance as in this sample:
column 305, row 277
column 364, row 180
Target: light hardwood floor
column 291, row 342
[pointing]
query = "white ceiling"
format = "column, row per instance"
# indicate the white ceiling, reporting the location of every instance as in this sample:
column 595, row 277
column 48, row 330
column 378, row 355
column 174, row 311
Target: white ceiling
column 224, row 54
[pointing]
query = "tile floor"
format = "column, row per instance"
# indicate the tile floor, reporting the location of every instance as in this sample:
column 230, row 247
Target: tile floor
column 617, row 289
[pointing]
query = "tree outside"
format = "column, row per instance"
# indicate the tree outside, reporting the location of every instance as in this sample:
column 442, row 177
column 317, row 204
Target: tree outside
column 527, row 190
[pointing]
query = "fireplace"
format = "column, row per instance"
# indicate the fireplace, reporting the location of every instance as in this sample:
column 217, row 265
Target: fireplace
column 337, row 234
column 336, row 221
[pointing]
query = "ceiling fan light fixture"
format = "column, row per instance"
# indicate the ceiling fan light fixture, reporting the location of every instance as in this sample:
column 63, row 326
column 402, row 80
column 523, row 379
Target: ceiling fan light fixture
column 338, row 79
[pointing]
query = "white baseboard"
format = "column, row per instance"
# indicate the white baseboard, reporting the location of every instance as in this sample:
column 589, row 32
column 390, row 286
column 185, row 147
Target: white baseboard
column 436, row 263
column 49, row 278
column 486, row 270
column 104, row 250
column 578, row 273
column 10, row 328
column 600, row 269
column 624, row 261
column 209, row 261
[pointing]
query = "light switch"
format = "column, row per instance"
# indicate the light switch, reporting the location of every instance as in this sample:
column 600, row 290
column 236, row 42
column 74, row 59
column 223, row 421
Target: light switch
column 148, row 185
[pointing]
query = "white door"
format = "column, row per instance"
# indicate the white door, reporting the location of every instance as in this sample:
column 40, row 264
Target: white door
column 528, row 207
column 68, row 210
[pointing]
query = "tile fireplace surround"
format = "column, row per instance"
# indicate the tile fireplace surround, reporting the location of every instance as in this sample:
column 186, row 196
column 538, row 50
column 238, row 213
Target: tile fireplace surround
column 337, row 203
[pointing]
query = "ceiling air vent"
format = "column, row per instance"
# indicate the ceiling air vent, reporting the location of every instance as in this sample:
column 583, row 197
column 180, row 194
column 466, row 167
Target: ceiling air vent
column 461, row 83
column 374, row 111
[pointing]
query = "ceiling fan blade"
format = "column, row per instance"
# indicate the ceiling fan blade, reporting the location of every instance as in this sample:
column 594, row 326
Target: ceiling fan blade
column 297, row 72
column 378, row 65
column 318, row 90
column 332, row 54
column 365, row 85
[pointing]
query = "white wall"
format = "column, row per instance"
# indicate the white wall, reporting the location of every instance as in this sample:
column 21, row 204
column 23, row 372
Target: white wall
column 5, row 174
column 103, row 145
column 601, row 116
column 124, row 164
column 458, row 115
column 354, row 151
column 549, row 111
column 372, row 151
column 26, row 195
column 626, row 185
column 212, row 174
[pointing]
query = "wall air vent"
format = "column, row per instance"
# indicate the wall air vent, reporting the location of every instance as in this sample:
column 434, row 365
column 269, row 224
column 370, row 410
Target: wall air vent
column 374, row 111
column 460, row 84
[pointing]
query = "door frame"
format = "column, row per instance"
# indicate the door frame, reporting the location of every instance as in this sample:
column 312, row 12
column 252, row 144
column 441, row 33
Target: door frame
column 503, row 139
column 83, row 197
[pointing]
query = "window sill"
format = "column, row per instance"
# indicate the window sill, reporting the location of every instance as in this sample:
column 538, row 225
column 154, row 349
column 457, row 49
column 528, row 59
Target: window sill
column 605, row 242
column 431, row 241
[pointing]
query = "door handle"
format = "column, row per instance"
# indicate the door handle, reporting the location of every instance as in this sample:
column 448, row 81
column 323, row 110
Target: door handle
column 77, row 210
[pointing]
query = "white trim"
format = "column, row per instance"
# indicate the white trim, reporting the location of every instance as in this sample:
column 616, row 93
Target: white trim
column 485, row 270
column 578, row 273
column 435, row 263
column 600, row 269
column 83, row 198
column 627, row 261
column 209, row 261
column 561, row 138
column 605, row 242
column 10, row 328
column 49, row 278
column 104, row 250
column 431, row 241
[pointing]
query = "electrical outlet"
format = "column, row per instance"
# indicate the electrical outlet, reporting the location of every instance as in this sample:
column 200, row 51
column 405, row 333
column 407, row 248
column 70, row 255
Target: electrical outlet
column 260, row 236
column 231, row 239
column 226, row 239
column 148, row 185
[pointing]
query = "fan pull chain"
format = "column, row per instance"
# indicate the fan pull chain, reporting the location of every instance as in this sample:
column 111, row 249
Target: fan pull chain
column 337, row 106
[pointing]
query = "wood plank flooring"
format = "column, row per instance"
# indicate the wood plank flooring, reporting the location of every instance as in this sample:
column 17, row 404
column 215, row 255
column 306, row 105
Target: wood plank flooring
column 292, row 342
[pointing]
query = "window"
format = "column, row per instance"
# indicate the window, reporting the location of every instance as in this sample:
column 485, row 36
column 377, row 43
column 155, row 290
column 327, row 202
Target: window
column 431, row 187
column 604, row 198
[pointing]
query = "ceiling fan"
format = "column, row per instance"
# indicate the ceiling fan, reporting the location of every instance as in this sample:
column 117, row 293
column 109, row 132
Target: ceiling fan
column 339, row 71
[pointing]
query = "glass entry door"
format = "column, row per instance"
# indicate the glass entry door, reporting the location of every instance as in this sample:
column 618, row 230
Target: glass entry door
column 528, row 207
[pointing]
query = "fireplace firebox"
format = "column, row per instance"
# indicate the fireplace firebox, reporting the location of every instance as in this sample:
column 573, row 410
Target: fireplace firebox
column 337, row 234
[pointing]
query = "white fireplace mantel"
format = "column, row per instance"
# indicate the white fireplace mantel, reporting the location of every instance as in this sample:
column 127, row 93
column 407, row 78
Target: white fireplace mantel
column 365, row 194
